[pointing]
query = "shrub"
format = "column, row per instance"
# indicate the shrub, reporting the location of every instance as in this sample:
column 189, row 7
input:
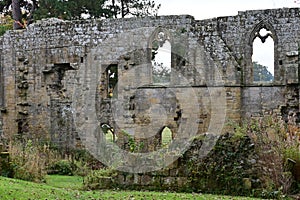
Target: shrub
column 84, row 159
column 259, row 157
column 99, row 179
column 29, row 161
column 225, row 169
column 5, row 166
column 275, row 143
column 6, row 23
column 62, row 167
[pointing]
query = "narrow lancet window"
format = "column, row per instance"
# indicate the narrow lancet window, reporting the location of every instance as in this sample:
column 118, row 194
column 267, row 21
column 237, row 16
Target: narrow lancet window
column 166, row 137
column 161, row 59
column 112, row 80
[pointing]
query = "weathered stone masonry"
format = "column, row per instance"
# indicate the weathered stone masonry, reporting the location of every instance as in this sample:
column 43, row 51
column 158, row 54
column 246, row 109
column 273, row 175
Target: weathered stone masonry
column 52, row 71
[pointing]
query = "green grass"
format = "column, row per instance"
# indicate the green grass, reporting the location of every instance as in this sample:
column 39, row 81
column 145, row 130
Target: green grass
column 69, row 182
column 65, row 187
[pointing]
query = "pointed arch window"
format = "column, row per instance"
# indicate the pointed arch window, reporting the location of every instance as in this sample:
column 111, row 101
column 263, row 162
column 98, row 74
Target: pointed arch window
column 161, row 57
column 166, row 137
column 263, row 56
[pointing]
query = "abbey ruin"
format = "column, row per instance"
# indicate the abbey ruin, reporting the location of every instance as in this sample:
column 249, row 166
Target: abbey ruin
column 69, row 79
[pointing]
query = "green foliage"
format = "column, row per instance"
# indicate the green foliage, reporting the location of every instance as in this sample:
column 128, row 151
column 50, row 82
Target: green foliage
column 29, row 161
column 62, row 167
column 292, row 152
column 275, row 143
column 133, row 145
column 161, row 73
column 71, row 9
column 225, row 168
column 6, row 23
column 261, row 73
column 4, row 28
column 252, row 160
column 99, row 179
column 83, row 159
column 5, row 166
column 53, row 8
column 272, row 142
column 135, row 8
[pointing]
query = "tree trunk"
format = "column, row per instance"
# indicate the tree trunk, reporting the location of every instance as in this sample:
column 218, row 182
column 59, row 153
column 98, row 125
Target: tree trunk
column 115, row 13
column 122, row 8
column 17, row 15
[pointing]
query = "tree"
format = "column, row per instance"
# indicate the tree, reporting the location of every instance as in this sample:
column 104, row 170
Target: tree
column 17, row 15
column 261, row 73
column 72, row 9
column 25, row 11
column 136, row 8
column 13, row 8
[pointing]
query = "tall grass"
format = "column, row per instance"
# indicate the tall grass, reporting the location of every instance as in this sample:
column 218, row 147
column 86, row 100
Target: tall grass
column 29, row 161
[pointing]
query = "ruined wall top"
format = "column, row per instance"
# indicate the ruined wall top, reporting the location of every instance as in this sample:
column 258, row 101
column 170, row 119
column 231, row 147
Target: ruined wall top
column 223, row 37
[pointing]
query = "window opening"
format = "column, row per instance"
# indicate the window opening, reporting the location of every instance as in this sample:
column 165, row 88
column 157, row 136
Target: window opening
column 166, row 137
column 263, row 56
column 161, row 59
column 109, row 133
column 112, row 79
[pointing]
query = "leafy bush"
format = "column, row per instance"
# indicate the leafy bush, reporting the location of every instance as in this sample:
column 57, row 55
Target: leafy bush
column 276, row 142
column 83, row 159
column 62, row 167
column 99, row 179
column 29, row 161
column 6, row 23
column 5, row 166
column 4, row 28
column 254, row 159
column 226, row 167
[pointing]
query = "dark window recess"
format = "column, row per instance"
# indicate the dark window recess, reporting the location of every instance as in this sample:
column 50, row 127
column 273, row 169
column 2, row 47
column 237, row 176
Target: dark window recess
column 112, row 80
column 280, row 62
column 81, row 59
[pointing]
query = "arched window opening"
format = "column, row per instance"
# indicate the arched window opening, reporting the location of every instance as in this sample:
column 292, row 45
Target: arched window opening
column 166, row 137
column 161, row 59
column 263, row 56
column 112, row 80
column 109, row 136
column 109, row 133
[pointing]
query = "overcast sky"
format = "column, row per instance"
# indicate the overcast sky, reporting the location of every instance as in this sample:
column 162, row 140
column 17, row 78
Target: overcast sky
column 204, row 9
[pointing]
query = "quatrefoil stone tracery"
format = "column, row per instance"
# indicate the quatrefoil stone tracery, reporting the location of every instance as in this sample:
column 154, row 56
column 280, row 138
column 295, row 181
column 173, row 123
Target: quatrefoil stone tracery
column 263, row 38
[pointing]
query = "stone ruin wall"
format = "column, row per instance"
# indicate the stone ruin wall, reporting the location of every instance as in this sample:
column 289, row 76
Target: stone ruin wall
column 53, row 72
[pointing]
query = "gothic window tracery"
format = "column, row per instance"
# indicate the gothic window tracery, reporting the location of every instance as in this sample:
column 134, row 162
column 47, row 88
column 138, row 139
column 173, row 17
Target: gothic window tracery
column 263, row 56
column 161, row 57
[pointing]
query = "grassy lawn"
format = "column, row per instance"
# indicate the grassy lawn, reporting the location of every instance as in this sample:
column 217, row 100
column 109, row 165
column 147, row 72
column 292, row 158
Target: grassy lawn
column 65, row 187
column 69, row 182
